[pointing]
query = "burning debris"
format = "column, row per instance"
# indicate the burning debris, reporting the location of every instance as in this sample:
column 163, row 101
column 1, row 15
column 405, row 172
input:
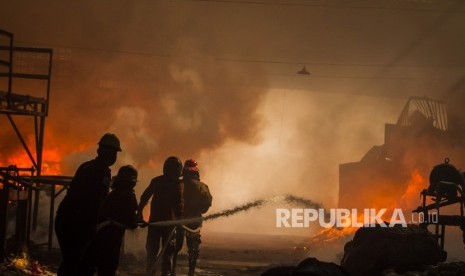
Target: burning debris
column 394, row 174
column 23, row 265
column 332, row 234
column 385, row 176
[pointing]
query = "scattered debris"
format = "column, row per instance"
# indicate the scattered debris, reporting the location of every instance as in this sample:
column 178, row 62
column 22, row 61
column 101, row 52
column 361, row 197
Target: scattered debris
column 309, row 266
column 374, row 250
column 23, row 265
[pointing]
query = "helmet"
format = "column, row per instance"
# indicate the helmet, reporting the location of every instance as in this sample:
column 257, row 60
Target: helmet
column 172, row 167
column 191, row 165
column 110, row 141
column 127, row 173
column 126, row 178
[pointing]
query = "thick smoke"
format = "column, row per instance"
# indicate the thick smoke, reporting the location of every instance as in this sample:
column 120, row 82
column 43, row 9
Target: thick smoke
column 211, row 81
column 158, row 107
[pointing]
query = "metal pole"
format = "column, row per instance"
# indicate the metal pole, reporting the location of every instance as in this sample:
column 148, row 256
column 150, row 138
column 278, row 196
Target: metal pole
column 29, row 213
column 35, row 213
column 22, row 140
column 10, row 71
column 39, row 164
column 51, row 220
column 39, row 151
column 3, row 218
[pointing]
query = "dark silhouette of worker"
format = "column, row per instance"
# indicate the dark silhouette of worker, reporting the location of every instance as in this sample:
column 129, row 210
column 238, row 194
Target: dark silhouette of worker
column 197, row 201
column 78, row 212
column 167, row 204
column 118, row 213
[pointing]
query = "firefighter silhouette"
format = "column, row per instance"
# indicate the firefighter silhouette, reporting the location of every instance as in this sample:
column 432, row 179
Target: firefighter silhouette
column 167, row 204
column 118, row 213
column 197, row 201
column 77, row 214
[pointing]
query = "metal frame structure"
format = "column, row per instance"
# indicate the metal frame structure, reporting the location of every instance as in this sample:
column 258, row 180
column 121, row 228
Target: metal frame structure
column 433, row 110
column 442, row 220
column 444, row 194
column 13, row 105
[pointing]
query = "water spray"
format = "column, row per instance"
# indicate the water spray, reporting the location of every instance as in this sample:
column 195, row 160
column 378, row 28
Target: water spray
column 291, row 199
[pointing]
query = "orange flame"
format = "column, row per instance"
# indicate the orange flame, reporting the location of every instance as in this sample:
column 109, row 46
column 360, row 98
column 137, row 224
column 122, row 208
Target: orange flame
column 407, row 201
column 51, row 161
column 332, row 234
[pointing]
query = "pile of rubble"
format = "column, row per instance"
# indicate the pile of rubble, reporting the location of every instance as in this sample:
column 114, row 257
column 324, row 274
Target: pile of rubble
column 396, row 251
column 375, row 249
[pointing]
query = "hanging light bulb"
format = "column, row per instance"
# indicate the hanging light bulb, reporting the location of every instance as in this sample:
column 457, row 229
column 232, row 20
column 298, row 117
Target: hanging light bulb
column 303, row 71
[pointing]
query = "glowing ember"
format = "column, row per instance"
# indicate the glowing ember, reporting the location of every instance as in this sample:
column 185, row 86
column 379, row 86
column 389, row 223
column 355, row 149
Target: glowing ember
column 332, row 234
column 22, row 264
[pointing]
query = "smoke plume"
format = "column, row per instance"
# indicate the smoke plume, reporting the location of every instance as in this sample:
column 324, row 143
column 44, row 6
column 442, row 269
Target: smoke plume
column 216, row 81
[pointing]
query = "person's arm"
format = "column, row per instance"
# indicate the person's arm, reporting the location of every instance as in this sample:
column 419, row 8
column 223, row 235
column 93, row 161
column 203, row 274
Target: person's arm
column 135, row 212
column 129, row 215
column 145, row 197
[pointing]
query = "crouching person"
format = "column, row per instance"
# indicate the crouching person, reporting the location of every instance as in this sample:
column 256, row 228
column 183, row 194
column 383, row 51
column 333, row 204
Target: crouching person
column 118, row 213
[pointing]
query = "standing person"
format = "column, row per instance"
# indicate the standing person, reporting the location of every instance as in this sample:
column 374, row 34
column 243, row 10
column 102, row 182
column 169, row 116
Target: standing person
column 78, row 212
column 118, row 213
column 167, row 204
column 197, row 201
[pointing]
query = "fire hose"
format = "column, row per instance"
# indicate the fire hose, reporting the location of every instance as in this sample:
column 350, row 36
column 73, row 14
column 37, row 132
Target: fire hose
column 165, row 246
column 180, row 222
column 225, row 213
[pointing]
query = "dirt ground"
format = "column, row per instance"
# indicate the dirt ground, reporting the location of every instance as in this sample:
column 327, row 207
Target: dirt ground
column 220, row 254
column 226, row 254
column 231, row 254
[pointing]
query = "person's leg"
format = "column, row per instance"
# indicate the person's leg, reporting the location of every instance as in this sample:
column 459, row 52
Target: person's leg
column 86, row 251
column 152, row 246
column 88, row 262
column 73, row 240
column 108, row 258
column 66, row 245
column 170, row 243
column 179, row 242
column 193, row 243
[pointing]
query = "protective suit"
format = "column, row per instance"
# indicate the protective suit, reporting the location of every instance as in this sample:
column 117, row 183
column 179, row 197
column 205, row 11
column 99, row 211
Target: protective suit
column 197, row 201
column 78, row 212
column 166, row 192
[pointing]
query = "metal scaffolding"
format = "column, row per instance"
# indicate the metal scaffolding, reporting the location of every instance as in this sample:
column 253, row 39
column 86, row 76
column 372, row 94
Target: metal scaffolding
column 446, row 189
column 23, row 185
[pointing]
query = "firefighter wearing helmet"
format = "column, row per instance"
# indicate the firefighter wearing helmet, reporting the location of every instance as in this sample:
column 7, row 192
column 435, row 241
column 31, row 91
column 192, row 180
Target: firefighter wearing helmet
column 118, row 213
column 77, row 214
column 197, row 201
column 166, row 192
